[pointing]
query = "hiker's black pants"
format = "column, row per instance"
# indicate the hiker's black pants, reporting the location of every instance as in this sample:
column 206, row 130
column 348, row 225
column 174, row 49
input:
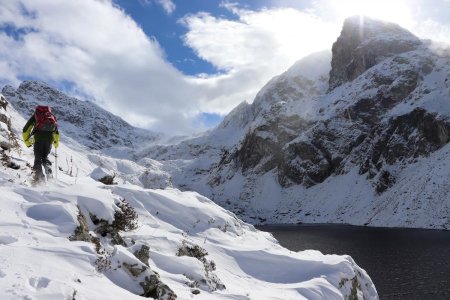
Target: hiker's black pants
column 41, row 151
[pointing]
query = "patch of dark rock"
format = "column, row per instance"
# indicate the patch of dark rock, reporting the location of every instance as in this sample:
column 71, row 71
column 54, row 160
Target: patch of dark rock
column 150, row 285
column 125, row 219
column 81, row 232
column 108, row 180
column 134, row 269
column 192, row 251
column 13, row 165
column 211, row 280
column 5, row 146
column 143, row 254
column 385, row 181
column 195, row 291
column 357, row 49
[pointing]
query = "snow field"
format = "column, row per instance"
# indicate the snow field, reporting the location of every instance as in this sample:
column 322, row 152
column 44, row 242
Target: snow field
column 39, row 262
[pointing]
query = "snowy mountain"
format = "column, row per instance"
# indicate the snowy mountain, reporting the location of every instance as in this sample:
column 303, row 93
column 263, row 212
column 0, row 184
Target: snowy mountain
column 77, row 238
column 358, row 137
column 83, row 121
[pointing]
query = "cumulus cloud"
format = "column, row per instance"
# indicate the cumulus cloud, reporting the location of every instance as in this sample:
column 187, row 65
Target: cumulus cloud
column 253, row 48
column 106, row 55
column 278, row 35
column 99, row 48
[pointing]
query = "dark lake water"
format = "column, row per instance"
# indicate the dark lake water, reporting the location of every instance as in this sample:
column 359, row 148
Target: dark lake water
column 403, row 263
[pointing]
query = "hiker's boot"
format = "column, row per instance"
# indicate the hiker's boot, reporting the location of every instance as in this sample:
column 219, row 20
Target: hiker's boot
column 37, row 177
column 48, row 168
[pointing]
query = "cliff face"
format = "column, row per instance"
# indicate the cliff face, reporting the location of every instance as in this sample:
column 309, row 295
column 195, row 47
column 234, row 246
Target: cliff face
column 350, row 126
column 346, row 144
column 363, row 43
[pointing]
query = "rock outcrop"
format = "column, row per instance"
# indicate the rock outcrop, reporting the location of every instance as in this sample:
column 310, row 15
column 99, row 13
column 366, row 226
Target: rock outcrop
column 363, row 43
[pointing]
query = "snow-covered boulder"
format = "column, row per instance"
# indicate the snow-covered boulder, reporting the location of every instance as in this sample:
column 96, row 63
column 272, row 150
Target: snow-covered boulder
column 103, row 175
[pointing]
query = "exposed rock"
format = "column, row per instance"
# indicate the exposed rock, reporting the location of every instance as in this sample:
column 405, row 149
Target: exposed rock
column 108, row 180
column 13, row 165
column 134, row 269
column 150, row 285
column 3, row 102
column 385, row 181
column 125, row 219
column 104, row 176
column 154, row 288
column 363, row 42
column 81, row 232
column 195, row 291
column 192, row 251
column 210, row 279
column 143, row 254
column 163, row 292
column 303, row 163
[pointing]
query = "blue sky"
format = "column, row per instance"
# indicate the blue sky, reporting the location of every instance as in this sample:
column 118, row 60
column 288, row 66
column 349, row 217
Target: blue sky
column 168, row 31
column 179, row 66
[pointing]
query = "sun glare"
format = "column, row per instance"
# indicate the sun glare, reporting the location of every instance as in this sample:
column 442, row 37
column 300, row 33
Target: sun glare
column 396, row 11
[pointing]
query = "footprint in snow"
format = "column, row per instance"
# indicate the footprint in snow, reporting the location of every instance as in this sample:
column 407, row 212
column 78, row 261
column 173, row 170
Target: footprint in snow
column 39, row 283
column 6, row 240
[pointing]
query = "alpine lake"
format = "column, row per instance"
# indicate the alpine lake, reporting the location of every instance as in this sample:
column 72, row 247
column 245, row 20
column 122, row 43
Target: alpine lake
column 403, row 263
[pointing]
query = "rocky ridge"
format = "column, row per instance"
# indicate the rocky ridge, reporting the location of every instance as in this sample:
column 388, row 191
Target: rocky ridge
column 83, row 121
column 384, row 110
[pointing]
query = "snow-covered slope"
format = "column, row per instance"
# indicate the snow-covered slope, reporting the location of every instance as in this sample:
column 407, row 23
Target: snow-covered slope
column 83, row 121
column 343, row 145
column 76, row 238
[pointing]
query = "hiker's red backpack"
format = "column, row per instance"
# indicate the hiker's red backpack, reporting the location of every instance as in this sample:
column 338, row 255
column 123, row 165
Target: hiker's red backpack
column 45, row 120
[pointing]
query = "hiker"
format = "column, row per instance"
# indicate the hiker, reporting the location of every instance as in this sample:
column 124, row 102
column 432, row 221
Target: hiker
column 42, row 131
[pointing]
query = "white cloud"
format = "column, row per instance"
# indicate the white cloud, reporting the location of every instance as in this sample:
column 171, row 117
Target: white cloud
column 253, row 49
column 95, row 45
column 275, row 37
column 168, row 5
column 106, row 54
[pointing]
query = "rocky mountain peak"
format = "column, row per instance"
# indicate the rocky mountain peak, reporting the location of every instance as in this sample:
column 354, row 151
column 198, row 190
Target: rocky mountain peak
column 363, row 43
column 313, row 153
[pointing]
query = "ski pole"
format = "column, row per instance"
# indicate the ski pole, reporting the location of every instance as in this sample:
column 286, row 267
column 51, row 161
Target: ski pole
column 56, row 163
